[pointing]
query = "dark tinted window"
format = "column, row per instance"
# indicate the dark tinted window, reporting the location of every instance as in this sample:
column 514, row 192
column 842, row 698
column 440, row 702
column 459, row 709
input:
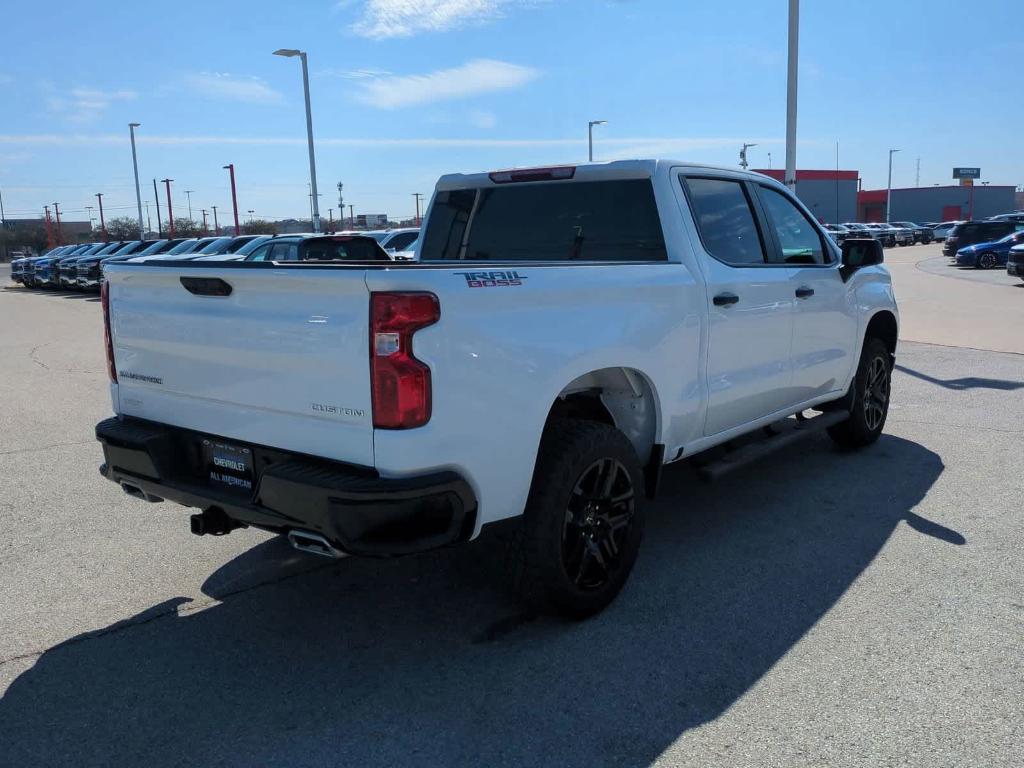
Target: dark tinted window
column 342, row 249
column 590, row 221
column 401, row 241
column 798, row 238
column 725, row 220
column 447, row 224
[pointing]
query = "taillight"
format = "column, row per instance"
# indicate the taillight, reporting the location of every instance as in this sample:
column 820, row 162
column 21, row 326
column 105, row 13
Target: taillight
column 108, row 340
column 399, row 383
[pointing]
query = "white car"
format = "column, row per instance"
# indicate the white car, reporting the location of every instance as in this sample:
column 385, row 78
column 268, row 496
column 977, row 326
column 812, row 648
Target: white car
column 395, row 239
column 941, row 231
column 541, row 374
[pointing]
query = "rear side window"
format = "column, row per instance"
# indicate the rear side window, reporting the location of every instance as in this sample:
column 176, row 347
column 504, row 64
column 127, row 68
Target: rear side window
column 585, row 221
column 286, row 251
column 725, row 220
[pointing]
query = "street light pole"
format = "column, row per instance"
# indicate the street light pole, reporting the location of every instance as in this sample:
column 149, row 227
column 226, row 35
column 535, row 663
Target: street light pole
column 159, row 224
column 205, row 230
column 170, row 210
column 230, row 168
column 590, row 137
column 135, row 166
column 89, row 209
column 250, row 215
column 60, row 236
column 188, row 196
column 289, row 52
column 216, row 226
column 351, row 216
column 417, row 195
column 791, row 81
column 103, row 224
column 888, row 186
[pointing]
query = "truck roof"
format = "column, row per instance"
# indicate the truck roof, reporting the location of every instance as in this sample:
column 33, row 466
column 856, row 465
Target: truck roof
column 615, row 169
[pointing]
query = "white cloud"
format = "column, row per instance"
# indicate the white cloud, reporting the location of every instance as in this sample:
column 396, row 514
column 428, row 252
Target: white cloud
column 223, row 85
column 482, row 119
column 83, row 105
column 403, row 18
column 353, row 74
column 470, row 79
column 611, row 148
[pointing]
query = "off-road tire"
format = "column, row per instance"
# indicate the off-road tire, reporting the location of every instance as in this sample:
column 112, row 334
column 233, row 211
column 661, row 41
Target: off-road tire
column 868, row 395
column 539, row 546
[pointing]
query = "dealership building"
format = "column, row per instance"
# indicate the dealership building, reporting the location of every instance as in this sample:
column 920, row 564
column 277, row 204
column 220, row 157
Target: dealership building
column 938, row 203
column 830, row 195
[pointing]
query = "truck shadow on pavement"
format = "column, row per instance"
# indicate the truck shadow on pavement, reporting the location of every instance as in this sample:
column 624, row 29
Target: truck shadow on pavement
column 968, row 382
column 423, row 661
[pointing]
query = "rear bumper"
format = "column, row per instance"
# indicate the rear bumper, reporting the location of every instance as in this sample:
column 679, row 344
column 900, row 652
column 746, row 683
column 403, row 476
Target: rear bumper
column 355, row 509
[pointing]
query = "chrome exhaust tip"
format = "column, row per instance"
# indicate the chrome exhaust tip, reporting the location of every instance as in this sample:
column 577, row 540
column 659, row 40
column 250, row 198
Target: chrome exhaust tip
column 314, row 544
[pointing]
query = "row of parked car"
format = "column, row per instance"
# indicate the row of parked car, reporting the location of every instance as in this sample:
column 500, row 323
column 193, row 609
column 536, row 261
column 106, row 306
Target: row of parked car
column 892, row 234
column 81, row 266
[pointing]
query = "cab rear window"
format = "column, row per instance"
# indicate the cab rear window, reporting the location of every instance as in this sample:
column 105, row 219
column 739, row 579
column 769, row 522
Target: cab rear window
column 560, row 221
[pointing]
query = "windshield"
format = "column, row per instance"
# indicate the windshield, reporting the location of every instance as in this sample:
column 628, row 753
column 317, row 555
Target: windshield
column 184, row 246
column 214, row 247
column 252, row 245
column 152, row 248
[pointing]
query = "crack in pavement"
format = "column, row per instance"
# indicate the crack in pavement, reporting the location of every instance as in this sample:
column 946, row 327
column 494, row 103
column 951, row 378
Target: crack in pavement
column 141, row 620
column 44, row 447
column 34, row 359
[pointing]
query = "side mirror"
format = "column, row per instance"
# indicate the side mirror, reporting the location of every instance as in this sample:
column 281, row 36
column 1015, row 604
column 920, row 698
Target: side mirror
column 859, row 253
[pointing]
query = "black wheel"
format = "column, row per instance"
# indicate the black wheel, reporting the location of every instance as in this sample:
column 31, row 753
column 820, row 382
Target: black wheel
column 986, row 261
column 579, row 535
column 870, row 398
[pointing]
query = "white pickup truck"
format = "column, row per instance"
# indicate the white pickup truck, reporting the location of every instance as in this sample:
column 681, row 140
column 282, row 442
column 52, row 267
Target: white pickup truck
column 565, row 333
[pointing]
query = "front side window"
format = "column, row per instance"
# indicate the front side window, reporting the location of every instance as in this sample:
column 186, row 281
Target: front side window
column 284, row 251
column 562, row 221
column 261, row 253
column 725, row 220
column 798, row 238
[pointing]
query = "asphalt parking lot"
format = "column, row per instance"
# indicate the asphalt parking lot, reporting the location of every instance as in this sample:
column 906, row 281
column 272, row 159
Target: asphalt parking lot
column 818, row 609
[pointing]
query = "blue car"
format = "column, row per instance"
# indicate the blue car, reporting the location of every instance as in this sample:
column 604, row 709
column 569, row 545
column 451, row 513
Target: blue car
column 989, row 255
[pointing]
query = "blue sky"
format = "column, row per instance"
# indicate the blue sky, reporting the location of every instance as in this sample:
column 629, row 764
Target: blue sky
column 405, row 90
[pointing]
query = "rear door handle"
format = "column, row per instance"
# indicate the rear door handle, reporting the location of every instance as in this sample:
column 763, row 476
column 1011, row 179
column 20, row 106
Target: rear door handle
column 804, row 292
column 724, row 299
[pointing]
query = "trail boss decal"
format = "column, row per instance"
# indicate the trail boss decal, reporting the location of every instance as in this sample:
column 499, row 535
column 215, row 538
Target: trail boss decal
column 492, row 279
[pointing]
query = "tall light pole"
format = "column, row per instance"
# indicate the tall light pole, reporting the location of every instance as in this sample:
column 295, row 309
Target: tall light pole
column 149, row 221
column 170, row 210
column 289, row 52
column 230, row 168
column 205, row 230
column 888, row 186
column 159, row 224
column 216, row 226
column 351, row 216
column 89, row 209
column 188, row 196
column 103, row 224
column 417, row 195
column 791, row 78
column 590, row 137
column 60, row 235
column 251, row 212
column 135, row 165
column 743, row 156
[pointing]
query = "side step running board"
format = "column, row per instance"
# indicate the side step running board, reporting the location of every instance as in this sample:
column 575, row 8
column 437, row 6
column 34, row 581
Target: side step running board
column 784, row 433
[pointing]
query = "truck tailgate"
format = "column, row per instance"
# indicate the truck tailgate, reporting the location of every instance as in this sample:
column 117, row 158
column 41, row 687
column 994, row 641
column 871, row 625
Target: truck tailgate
column 282, row 361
